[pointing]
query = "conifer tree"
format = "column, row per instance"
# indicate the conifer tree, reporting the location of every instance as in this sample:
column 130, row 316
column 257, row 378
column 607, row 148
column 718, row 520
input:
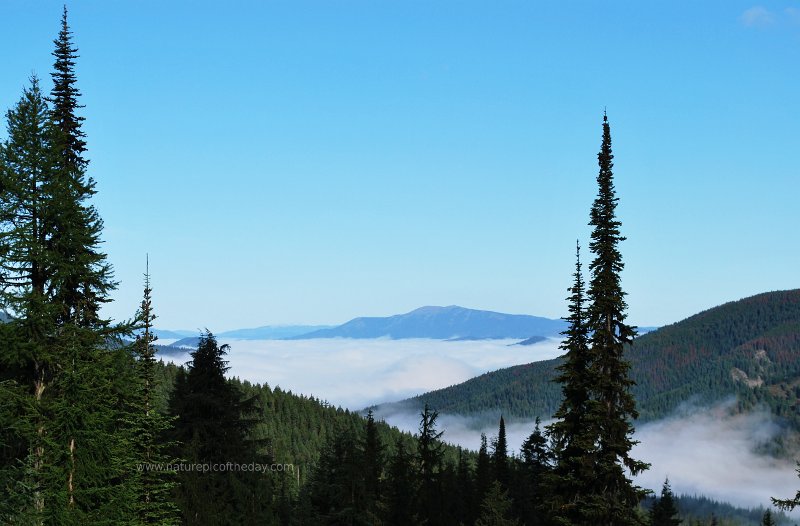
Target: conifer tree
column 500, row 456
column 77, row 382
column 664, row 510
column 85, row 277
column 496, row 508
column 94, row 381
column 430, row 455
column 373, row 451
column 614, row 496
column 536, row 459
column 483, row 470
column 152, row 487
column 465, row 491
column 337, row 491
column 572, row 435
column 767, row 520
column 65, row 96
column 27, row 362
column 26, row 172
column 402, row 486
column 212, row 428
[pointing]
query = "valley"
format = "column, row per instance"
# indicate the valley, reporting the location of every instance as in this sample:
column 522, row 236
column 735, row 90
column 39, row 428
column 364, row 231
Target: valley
column 732, row 440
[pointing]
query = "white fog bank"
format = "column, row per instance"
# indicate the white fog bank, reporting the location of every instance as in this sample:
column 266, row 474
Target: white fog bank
column 711, row 453
column 358, row 373
column 702, row 451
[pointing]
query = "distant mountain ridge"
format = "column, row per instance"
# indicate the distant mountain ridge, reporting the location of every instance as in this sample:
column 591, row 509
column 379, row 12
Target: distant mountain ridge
column 165, row 334
column 266, row 332
column 444, row 323
column 271, row 332
column 748, row 349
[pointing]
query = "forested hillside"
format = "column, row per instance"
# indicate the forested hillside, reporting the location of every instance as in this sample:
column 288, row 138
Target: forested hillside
column 292, row 427
column 748, row 348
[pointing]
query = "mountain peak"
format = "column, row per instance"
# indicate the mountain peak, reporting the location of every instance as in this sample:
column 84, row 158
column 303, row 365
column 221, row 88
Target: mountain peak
column 434, row 309
column 444, row 323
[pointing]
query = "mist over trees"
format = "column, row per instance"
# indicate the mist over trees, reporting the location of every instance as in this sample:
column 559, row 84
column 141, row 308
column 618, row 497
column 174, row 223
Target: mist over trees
column 95, row 430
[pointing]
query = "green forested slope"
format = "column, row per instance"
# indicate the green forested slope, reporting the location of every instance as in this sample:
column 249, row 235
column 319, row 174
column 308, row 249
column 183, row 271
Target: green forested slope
column 295, row 427
column 748, row 348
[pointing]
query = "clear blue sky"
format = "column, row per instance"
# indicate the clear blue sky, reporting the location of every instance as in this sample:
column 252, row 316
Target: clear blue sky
column 308, row 162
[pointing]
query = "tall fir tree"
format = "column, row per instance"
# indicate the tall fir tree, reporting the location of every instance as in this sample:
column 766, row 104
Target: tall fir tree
column 151, row 490
column 77, row 382
column 402, row 488
column 212, row 427
column 26, row 168
column 483, row 470
column 65, row 95
column 26, row 363
column 767, row 519
column 373, row 459
column 664, row 510
column 430, row 455
column 27, row 163
column 85, row 277
column 572, row 436
column 614, row 496
column 465, row 492
column 95, row 380
column 500, row 456
column 536, row 467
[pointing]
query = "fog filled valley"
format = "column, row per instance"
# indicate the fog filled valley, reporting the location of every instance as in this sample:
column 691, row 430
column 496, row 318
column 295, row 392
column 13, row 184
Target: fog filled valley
column 702, row 450
column 360, row 373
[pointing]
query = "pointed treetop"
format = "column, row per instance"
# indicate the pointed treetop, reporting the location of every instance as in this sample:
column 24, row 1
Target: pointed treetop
column 65, row 97
column 605, row 116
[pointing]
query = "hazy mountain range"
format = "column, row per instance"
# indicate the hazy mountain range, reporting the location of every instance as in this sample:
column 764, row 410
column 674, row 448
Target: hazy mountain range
column 438, row 323
column 267, row 332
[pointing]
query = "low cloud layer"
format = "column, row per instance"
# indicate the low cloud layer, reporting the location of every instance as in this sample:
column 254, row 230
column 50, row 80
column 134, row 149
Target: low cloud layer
column 358, row 373
column 702, row 451
column 712, row 453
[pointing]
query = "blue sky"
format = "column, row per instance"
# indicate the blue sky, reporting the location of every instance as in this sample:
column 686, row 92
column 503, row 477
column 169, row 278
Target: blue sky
column 309, row 162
